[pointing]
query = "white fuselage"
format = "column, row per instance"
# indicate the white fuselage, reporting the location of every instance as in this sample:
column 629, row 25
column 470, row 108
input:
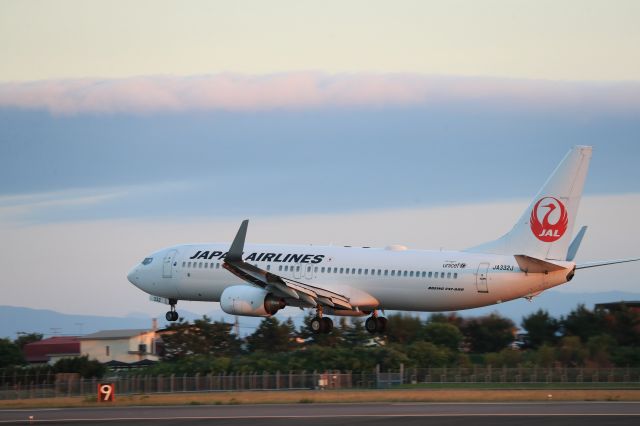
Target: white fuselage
column 397, row 279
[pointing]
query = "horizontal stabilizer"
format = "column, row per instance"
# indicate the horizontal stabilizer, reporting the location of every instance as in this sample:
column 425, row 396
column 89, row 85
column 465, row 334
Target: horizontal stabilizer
column 532, row 265
column 604, row 263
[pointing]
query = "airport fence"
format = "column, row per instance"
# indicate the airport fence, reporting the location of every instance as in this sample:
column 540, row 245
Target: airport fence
column 65, row 385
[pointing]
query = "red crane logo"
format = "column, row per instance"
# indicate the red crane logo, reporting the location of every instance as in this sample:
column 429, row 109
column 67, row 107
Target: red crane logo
column 545, row 230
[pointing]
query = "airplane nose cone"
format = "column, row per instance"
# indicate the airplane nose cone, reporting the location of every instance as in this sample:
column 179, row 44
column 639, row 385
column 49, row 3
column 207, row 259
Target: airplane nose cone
column 132, row 276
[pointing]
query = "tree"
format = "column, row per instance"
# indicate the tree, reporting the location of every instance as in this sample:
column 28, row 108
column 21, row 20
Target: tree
column 571, row 351
column 545, row 356
column 10, row 354
column 490, row 333
column 505, row 358
column 600, row 348
column 450, row 318
column 583, row 323
column 541, row 328
column 83, row 365
column 356, row 335
column 272, row 336
column 623, row 324
column 426, row 354
column 443, row 334
column 404, row 328
column 26, row 338
column 200, row 338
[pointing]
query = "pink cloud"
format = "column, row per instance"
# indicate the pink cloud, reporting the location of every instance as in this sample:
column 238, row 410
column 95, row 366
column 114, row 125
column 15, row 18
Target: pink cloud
column 300, row 90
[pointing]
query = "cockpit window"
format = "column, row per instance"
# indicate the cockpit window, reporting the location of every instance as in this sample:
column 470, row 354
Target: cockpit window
column 147, row 260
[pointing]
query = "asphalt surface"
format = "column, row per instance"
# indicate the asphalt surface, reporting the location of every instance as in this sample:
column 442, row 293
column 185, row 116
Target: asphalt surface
column 551, row 413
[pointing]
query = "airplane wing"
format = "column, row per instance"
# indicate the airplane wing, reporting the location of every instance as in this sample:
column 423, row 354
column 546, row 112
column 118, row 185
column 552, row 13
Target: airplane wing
column 301, row 294
column 604, row 263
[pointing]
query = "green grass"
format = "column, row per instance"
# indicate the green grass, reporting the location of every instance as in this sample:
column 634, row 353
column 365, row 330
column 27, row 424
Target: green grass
column 589, row 385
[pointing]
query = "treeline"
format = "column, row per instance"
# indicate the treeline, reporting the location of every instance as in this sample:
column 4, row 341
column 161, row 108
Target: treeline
column 584, row 338
column 13, row 365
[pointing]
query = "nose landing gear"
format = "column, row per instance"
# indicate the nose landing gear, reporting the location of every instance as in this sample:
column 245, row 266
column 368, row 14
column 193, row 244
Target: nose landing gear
column 172, row 315
column 375, row 324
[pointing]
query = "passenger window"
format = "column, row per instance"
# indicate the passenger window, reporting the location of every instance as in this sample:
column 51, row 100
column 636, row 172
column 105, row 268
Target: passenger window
column 200, row 265
column 335, row 270
column 297, row 269
column 268, row 267
column 411, row 273
column 183, row 263
column 308, row 268
column 315, row 269
column 423, row 274
column 448, row 274
column 341, row 270
column 405, row 273
column 347, row 270
column 353, row 270
column 189, row 265
column 322, row 269
column 455, row 275
column 279, row 267
column 366, row 272
column 206, row 265
column 386, row 272
column 393, row 273
column 441, row 274
column 217, row 266
column 286, row 268
column 359, row 271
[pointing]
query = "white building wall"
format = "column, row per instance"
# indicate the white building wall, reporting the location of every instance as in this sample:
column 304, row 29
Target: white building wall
column 123, row 349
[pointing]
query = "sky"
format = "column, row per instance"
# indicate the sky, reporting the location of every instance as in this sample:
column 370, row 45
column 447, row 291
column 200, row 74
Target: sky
column 130, row 126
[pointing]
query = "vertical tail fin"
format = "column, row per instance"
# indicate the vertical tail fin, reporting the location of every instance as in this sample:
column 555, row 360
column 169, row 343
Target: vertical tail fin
column 544, row 230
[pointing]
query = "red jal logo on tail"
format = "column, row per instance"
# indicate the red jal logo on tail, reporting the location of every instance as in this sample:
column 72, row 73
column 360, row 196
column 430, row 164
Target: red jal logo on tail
column 546, row 231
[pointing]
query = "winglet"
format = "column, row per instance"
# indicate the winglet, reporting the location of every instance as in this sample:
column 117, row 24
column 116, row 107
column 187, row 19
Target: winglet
column 237, row 247
column 575, row 244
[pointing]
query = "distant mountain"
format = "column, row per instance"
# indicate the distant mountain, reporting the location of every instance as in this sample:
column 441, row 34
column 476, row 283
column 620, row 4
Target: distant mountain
column 17, row 319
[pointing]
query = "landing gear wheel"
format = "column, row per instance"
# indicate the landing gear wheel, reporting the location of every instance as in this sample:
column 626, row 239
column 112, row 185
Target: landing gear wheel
column 172, row 315
column 317, row 325
column 371, row 324
column 327, row 325
column 375, row 324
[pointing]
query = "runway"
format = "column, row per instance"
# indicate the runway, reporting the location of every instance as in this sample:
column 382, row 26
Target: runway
column 551, row 413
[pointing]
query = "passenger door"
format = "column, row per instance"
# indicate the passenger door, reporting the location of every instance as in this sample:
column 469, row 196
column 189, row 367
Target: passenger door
column 482, row 278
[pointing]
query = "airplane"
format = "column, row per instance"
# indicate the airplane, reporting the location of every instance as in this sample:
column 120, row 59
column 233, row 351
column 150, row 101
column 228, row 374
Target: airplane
column 261, row 279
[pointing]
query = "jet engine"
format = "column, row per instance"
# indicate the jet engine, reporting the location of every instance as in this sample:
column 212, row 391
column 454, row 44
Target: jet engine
column 250, row 301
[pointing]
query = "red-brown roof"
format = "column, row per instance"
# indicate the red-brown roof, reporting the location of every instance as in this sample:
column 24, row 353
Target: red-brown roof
column 59, row 345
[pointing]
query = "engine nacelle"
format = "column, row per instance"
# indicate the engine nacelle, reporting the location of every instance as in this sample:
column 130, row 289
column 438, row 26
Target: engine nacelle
column 249, row 301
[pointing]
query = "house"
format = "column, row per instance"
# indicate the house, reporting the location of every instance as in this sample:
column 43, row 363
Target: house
column 52, row 349
column 125, row 346
column 612, row 307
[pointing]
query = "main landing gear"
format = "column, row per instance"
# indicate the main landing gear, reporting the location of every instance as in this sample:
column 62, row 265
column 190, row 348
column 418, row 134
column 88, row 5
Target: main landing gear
column 320, row 324
column 172, row 315
column 375, row 324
